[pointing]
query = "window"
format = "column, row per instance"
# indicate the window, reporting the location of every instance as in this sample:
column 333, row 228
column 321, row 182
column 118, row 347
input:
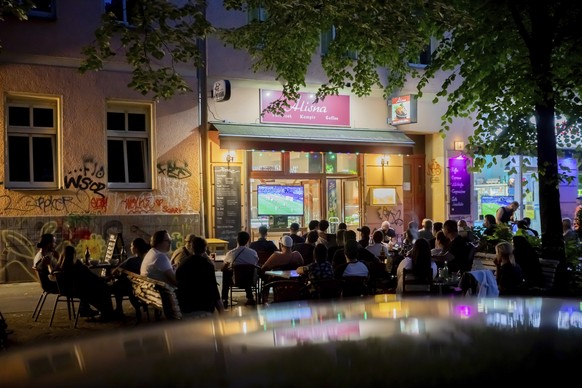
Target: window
column 128, row 146
column 328, row 37
column 124, row 10
column 424, row 57
column 32, row 145
column 266, row 161
column 257, row 14
column 45, row 9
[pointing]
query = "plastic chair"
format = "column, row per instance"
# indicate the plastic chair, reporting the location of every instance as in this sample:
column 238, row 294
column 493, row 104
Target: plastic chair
column 245, row 276
column 48, row 288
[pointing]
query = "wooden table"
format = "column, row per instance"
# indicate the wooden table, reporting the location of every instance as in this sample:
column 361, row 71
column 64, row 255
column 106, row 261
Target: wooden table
column 215, row 243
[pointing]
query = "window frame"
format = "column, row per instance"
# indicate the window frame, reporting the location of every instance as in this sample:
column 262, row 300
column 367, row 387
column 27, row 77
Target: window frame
column 327, row 37
column 426, row 53
column 41, row 14
column 130, row 107
column 125, row 16
column 32, row 132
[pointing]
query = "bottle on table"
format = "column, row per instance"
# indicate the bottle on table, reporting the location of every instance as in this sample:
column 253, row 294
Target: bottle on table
column 444, row 271
column 87, row 256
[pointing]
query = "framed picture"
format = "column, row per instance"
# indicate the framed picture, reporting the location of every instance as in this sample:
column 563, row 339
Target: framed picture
column 382, row 196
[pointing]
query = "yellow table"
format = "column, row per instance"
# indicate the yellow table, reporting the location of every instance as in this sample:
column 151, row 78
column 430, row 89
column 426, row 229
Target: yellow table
column 217, row 244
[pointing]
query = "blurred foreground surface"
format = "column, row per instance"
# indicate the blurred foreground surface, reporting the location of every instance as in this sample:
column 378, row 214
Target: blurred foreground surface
column 375, row 341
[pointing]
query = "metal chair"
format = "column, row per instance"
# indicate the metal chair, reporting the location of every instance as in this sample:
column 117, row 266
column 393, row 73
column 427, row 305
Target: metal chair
column 48, row 288
column 66, row 294
column 245, row 276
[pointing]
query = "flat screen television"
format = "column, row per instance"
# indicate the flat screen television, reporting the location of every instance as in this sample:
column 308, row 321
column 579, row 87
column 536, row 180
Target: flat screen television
column 280, row 200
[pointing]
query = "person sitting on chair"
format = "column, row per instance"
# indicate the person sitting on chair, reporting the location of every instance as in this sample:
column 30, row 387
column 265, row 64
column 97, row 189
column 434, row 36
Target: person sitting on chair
column 293, row 230
column 508, row 273
column 419, row 261
column 306, row 248
column 197, row 291
column 321, row 268
column 286, row 259
column 239, row 255
column 86, row 284
column 156, row 263
column 352, row 267
column 263, row 246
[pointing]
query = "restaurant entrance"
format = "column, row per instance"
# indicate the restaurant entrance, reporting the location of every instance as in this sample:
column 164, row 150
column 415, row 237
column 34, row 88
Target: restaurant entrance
column 343, row 202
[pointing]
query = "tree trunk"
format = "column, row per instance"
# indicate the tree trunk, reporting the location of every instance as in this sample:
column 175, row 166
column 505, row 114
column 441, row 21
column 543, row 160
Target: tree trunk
column 550, row 211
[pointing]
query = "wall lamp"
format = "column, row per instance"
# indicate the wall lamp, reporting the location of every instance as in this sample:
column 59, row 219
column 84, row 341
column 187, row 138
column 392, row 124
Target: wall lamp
column 229, row 157
column 384, row 160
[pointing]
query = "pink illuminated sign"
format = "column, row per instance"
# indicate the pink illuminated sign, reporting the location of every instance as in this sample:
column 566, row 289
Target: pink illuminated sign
column 334, row 110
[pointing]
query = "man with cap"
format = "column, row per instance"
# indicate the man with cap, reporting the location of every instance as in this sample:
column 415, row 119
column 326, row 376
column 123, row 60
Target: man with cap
column 293, row 229
column 286, row 259
column 365, row 234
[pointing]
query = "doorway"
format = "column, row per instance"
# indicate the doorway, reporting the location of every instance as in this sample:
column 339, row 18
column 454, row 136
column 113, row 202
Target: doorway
column 343, row 202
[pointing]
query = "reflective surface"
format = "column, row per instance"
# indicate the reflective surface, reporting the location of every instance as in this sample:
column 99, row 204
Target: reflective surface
column 376, row 341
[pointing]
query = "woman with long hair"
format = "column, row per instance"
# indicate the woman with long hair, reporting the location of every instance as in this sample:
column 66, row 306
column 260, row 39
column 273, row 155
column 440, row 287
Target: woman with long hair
column 420, row 261
column 508, row 273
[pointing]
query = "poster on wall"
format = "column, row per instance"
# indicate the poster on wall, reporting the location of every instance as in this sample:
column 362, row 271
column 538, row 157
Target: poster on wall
column 227, row 203
column 459, row 187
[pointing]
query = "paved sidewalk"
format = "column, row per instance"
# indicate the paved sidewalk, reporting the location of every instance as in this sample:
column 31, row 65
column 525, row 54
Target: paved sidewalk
column 18, row 300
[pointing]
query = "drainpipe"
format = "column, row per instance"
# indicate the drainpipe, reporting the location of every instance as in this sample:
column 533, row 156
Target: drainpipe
column 202, row 75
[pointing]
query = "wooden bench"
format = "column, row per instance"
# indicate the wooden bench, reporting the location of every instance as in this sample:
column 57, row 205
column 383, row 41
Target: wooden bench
column 156, row 294
column 549, row 268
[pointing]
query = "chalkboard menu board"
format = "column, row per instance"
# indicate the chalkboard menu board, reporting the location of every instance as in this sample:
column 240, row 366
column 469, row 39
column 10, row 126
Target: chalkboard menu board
column 114, row 247
column 460, row 186
column 227, row 207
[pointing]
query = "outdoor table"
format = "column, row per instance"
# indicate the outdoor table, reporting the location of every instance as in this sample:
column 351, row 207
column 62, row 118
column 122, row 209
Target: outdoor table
column 289, row 274
column 445, row 282
column 215, row 243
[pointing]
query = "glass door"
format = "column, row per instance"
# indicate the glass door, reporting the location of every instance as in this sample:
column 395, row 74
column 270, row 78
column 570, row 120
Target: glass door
column 343, row 202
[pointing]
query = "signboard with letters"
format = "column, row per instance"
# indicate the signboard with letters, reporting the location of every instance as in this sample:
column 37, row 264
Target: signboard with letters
column 460, row 186
column 332, row 111
column 227, row 202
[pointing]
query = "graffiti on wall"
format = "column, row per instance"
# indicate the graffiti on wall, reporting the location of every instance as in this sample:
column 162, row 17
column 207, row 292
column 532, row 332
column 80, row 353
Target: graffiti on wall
column 87, row 177
column 391, row 214
column 18, row 237
column 174, row 169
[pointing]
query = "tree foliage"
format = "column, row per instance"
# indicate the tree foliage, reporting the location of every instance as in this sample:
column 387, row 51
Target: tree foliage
column 504, row 61
column 160, row 36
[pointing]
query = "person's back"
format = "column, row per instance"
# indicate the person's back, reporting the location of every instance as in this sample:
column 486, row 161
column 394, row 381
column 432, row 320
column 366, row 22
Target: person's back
column 459, row 249
column 293, row 230
column 262, row 246
column 352, row 267
column 197, row 287
column 306, row 248
column 528, row 260
column 321, row 268
column 286, row 259
column 426, row 231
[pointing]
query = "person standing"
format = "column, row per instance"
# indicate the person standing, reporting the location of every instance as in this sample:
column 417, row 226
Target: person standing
column 505, row 214
column 197, row 291
column 156, row 263
column 239, row 255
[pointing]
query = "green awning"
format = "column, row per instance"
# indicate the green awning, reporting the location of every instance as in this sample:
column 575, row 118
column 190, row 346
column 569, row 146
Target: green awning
column 307, row 139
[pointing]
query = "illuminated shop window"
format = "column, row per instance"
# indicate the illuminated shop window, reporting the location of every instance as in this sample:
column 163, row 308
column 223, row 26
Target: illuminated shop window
column 306, row 163
column 266, row 161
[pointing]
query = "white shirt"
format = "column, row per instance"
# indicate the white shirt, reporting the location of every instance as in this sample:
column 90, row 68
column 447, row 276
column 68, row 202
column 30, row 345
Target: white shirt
column 155, row 264
column 243, row 255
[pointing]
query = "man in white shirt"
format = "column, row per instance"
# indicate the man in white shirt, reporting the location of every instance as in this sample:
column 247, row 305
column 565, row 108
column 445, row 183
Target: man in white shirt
column 156, row 263
column 238, row 256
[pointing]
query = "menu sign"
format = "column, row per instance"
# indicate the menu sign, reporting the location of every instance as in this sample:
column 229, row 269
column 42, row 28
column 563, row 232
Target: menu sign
column 114, row 246
column 227, row 203
column 460, row 186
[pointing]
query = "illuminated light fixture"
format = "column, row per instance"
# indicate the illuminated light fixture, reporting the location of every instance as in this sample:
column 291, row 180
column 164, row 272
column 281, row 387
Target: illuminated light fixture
column 384, row 160
column 459, row 145
column 229, row 157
